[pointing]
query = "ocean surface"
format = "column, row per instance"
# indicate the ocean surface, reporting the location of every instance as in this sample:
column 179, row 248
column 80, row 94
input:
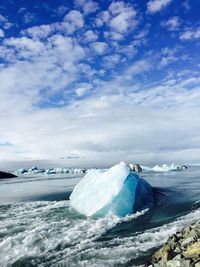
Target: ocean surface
column 38, row 228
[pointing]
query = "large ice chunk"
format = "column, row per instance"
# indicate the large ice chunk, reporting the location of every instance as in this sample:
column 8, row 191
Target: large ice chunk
column 114, row 191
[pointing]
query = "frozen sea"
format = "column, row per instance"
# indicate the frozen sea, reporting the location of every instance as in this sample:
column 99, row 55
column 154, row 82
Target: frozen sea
column 38, row 228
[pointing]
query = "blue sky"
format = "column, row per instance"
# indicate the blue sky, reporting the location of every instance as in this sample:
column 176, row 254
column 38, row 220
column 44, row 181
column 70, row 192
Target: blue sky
column 100, row 81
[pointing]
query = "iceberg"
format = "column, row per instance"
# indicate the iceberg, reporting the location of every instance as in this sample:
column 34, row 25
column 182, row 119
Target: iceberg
column 35, row 170
column 165, row 168
column 114, row 191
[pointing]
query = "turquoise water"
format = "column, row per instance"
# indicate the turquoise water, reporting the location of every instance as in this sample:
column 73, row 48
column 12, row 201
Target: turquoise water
column 38, row 228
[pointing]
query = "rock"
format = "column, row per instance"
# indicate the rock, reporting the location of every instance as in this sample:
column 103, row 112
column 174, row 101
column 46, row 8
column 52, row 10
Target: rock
column 178, row 263
column 188, row 241
column 138, row 168
column 193, row 251
column 4, row 175
column 181, row 250
column 135, row 168
column 164, row 254
column 184, row 167
column 177, row 250
column 178, row 257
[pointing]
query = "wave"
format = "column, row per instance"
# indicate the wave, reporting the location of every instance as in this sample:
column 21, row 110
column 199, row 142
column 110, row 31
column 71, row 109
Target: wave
column 47, row 233
column 49, row 230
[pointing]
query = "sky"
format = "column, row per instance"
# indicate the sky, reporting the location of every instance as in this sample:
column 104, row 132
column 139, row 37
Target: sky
column 97, row 82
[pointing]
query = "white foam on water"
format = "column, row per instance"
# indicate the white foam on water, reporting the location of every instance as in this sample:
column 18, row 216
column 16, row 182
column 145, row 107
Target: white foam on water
column 39, row 229
column 51, row 234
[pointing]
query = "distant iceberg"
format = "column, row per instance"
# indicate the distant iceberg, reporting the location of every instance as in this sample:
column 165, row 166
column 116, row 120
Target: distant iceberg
column 164, row 168
column 35, row 170
column 114, row 191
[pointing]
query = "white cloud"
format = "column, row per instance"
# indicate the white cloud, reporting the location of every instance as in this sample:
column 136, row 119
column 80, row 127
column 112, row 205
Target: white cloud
column 99, row 47
column 186, row 5
column 172, row 24
column 112, row 60
column 129, row 50
column 123, row 116
column 90, row 36
column 122, row 120
column 1, row 33
column 29, row 17
column 41, row 31
column 3, row 19
column 35, row 70
column 72, row 22
column 142, row 34
column 75, row 18
column 171, row 93
column 88, row 6
column 8, row 25
column 115, row 36
column 123, row 17
column 86, row 69
column 154, row 6
column 5, row 23
column 103, row 18
column 120, row 18
column 83, row 88
column 24, row 45
column 168, row 56
column 190, row 34
column 62, row 9
column 109, row 128
column 138, row 67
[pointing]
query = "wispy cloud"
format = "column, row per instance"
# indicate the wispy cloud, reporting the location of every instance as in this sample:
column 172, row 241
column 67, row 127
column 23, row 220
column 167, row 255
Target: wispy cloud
column 186, row 5
column 190, row 34
column 154, row 6
column 172, row 24
column 88, row 6
column 1, row 33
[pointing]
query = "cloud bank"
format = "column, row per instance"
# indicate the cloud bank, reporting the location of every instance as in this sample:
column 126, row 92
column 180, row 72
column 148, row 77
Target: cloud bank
column 97, row 84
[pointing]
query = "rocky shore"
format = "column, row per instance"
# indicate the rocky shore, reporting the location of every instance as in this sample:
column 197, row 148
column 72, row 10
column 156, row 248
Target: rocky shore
column 181, row 250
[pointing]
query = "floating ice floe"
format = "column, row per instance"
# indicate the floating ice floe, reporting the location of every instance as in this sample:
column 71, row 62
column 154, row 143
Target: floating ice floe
column 35, row 170
column 164, row 168
column 114, row 191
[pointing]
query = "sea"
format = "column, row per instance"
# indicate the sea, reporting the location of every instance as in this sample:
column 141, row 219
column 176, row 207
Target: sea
column 38, row 227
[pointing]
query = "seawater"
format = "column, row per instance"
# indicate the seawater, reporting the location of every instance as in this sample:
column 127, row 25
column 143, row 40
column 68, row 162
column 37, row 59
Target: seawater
column 38, row 228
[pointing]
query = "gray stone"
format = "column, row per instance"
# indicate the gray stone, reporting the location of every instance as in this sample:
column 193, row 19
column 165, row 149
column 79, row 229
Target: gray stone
column 181, row 250
column 178, row 257
column 177, row 250
column 188, row 241
column 158, row 265
column 178, row 263
column 135, row 168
